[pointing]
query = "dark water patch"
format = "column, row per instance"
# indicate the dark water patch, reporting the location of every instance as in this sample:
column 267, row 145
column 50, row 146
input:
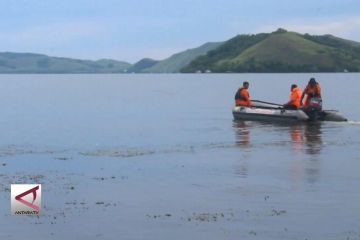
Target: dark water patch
column 199, row 217
column 122, row 153
column 63, row 158
column 14, row 150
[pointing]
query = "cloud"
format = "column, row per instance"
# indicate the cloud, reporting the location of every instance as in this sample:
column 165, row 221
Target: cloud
column 345, row 27
column 50, row 34
column 92, row 39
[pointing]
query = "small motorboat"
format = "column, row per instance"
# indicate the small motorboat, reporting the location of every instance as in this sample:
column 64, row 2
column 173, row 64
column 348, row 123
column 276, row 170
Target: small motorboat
column 265, row 111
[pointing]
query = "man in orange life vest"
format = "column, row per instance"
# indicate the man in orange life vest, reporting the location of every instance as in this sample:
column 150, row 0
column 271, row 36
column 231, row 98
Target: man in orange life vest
column 294, row 98
column 312, row 90
column 242, row 97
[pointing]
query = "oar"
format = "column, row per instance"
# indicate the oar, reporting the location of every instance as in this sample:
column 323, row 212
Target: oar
column 275, row 104
column 268, row 107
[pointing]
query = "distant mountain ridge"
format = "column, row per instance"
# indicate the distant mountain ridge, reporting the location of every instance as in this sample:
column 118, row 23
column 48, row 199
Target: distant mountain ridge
column 280, row 51
column 141, row 65
column 39, row 63
column 176, row 62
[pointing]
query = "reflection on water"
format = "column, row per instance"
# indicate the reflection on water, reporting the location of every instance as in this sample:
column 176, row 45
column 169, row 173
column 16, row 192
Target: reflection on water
column 312, row 138
column 303, row 137
column 242, row 133
column 242, row 170
column 300, row 139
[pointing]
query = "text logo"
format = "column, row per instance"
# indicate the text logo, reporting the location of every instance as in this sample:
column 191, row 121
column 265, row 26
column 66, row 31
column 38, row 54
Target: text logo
column 25, row 199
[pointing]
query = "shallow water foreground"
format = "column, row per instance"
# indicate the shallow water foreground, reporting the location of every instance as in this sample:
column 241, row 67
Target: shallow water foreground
column 153, row 157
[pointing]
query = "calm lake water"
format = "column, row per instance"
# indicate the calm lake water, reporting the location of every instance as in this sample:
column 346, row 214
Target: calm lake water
column 160, row 157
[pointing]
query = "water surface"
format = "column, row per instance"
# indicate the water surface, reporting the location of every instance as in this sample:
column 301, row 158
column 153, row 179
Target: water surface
column 160, row 157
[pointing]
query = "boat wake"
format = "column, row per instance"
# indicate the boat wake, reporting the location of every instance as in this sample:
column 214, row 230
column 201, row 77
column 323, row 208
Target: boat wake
column 353, row 122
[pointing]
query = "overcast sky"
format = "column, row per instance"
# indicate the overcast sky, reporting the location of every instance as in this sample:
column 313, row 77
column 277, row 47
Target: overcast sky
column 132, row 29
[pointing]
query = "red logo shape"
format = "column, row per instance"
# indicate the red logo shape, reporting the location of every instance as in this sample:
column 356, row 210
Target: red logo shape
column 31, row 205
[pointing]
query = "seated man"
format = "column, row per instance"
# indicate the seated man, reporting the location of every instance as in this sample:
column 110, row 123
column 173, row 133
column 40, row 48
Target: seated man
column 242, row 97
column 294, row 98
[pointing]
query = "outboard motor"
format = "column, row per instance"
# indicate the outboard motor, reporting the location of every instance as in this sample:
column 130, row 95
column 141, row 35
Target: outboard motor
column 315, row 103
column 314, row 109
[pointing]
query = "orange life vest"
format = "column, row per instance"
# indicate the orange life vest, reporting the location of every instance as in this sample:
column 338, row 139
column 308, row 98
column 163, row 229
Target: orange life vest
column 312, row 91
column 242, row 97
column 295, row 97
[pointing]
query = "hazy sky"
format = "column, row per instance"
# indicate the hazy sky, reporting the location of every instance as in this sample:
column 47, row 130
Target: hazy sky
column 133, row 29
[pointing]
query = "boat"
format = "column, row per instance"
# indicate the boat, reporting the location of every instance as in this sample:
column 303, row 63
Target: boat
column 264, row 111
column 261, row 113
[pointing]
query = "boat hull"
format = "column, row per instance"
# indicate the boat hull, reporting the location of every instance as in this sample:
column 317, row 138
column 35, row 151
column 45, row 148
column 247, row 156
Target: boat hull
column 268, row 114
column 281, row 114
column 333, row 116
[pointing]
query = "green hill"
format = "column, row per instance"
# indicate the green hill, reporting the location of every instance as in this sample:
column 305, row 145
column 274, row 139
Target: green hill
column 281, row 51
column 141, row 65
column 39, row 63
column 176, row 62
column 121, row 66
